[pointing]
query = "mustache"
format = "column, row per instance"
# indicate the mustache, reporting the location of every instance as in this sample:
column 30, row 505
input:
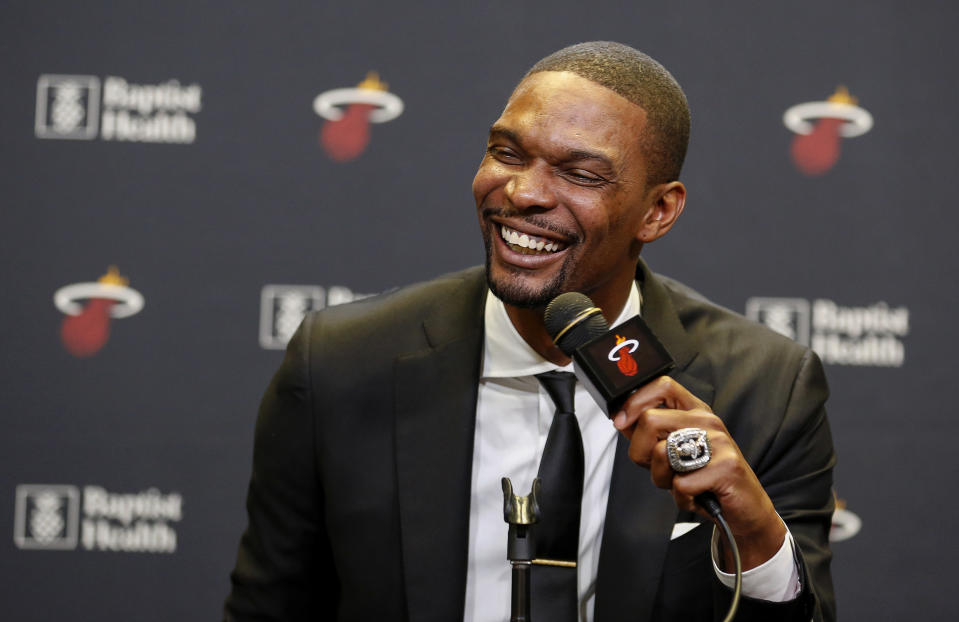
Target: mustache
column 536, row 220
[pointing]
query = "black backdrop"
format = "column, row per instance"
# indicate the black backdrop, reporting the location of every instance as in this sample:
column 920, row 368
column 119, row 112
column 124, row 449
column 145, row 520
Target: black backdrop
column 124, row 471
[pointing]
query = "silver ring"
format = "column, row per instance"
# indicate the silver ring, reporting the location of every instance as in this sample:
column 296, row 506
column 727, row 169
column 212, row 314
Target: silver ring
column 688, row 449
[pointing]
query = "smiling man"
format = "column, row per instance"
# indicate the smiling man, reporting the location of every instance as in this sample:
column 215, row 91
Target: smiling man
column 567, row 195
column 376, row 483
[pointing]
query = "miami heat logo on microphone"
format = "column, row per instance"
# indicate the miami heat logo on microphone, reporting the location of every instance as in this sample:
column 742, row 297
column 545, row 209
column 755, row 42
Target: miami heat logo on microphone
column 819, row 126
column 346, row 133
column 624, row 358
column 86, row 327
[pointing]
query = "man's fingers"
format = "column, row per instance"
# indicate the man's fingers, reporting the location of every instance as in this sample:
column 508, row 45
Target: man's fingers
column 686, row 502
column 648, row 429
column 655, row 424
column 662, row 392
column 659, row 469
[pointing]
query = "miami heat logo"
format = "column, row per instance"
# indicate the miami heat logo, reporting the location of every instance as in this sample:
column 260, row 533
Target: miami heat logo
column 86, row 327
column 346, row 133
column 624, row 358
column 845, row 524
column 819, row 126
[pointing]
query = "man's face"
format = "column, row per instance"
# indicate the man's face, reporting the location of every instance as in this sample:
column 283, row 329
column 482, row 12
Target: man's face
column 561, row 191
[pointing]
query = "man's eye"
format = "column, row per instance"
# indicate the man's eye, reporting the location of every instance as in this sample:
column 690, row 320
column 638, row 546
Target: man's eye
column 586, row 178
column 502, row 154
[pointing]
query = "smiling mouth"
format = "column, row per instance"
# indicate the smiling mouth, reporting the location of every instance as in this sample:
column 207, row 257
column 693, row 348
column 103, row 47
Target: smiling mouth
column 529, row 244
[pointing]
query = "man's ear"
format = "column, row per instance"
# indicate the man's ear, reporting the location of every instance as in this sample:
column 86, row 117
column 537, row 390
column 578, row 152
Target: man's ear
column 667, row 203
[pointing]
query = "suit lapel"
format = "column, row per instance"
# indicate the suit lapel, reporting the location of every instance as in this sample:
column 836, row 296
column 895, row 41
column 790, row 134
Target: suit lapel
column 435, row 414
column 664, row 320
column 639, row 516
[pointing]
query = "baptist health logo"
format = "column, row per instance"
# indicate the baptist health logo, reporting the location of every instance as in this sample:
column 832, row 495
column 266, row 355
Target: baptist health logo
column 283, row 307
column 71, row 107
column 52, row 517
column 870, row 336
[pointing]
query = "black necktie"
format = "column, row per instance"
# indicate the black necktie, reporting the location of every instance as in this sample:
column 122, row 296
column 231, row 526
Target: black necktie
column 554, row 591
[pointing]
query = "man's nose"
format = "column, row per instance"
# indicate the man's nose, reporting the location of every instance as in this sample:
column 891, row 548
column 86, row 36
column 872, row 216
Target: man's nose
column 531, row 187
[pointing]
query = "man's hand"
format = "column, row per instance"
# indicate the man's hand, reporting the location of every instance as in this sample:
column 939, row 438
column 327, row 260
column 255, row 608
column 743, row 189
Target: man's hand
column 664, row 406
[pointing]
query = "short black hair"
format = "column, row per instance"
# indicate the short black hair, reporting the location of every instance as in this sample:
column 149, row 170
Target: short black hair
column 643, row 81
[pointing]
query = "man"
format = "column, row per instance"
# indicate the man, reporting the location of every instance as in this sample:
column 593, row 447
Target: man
column 382, row 439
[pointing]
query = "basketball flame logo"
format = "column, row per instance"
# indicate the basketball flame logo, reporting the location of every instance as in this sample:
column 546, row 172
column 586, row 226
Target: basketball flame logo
column 350, row 111
column 86, row 327
column 623, row 357
column 819, row 126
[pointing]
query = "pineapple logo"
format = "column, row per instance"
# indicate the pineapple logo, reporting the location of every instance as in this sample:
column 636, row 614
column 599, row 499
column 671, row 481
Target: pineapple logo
column 46, row 516
column 780, row 318
column 46, row 520
column 283, row 307
column 789, row 317
column 292, row 308
column 67, row 107
column 68, row 111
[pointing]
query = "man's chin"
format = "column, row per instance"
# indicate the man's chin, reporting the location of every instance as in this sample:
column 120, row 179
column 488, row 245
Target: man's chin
column 517, row 291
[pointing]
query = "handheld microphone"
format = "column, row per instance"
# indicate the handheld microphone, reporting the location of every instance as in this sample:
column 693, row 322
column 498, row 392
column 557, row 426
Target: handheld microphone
column 611, row 364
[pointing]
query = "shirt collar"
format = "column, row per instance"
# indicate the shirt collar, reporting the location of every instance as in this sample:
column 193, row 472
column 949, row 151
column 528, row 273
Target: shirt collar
column 507, row 355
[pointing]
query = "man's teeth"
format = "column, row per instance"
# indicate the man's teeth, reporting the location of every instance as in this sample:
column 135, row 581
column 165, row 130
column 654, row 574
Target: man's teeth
column 525, row 243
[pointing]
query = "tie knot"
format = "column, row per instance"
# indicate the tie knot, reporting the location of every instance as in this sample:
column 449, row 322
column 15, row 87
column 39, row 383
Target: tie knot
column 561, row 386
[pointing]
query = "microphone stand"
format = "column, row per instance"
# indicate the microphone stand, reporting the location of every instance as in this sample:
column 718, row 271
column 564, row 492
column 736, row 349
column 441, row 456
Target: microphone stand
column 521, row 513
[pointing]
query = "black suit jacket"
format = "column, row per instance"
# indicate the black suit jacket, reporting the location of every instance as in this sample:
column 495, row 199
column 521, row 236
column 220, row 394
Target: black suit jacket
column 359, row 499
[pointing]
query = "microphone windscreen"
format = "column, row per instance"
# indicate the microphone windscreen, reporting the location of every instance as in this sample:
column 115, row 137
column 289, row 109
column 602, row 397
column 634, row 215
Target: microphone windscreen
column 565, row 309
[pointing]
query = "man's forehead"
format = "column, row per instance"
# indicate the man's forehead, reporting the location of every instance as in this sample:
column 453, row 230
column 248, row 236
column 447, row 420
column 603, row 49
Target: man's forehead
column 546, row 86
column 571, row 110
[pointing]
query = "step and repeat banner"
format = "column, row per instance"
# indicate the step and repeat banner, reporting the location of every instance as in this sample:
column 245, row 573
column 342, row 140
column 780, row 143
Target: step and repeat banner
column 182, row 182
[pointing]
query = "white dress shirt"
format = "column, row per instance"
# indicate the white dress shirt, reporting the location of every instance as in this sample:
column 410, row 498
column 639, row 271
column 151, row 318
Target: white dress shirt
column 513, row 416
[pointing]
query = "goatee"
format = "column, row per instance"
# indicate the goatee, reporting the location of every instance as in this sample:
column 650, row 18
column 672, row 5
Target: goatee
column 512, row 292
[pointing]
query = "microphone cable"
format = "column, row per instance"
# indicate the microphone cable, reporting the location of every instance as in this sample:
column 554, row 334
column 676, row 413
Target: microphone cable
column 708, row 502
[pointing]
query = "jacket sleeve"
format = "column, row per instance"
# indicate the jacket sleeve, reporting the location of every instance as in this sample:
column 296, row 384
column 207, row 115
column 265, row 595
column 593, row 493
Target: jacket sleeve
column 282, row 569
column 796, row 472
